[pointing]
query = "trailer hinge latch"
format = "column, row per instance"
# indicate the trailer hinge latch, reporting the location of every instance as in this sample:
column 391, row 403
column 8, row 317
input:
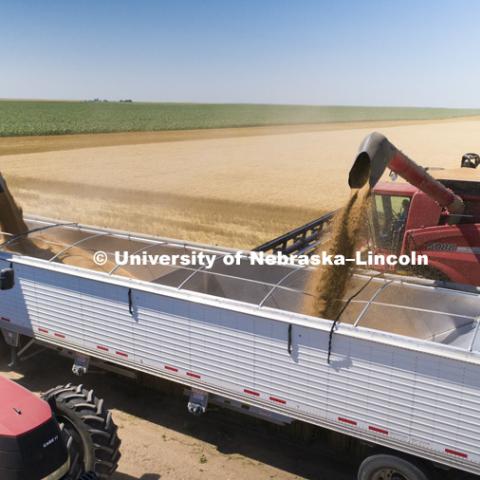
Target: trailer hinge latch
column 290, row 348
column 130, row 302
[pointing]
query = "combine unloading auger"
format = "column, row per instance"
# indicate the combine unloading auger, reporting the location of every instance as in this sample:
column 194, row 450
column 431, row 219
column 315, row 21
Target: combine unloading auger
column 377, row 154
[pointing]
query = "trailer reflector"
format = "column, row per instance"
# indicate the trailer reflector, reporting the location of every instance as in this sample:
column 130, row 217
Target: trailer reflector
column 42, row 330
column 193, row 375
column 347, row 420
column 59, row 335
column 172, row 369
column 251, row 392
column 278, row 400
column 454, row 452
column 378, row 430
column 122, row 354
column 5, row 319
column 101, row 347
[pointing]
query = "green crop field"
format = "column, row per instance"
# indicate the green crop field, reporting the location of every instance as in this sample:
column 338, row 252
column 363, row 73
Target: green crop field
column 23, row 117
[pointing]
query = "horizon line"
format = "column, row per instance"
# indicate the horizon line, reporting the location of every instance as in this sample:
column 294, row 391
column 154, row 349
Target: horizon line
column 188, row 102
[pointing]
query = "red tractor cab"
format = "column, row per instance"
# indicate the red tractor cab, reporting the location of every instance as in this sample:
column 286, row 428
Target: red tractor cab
column 31, row 443
column 65, row 435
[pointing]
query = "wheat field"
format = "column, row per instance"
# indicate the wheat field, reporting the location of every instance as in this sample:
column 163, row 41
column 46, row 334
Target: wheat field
column 238, row 190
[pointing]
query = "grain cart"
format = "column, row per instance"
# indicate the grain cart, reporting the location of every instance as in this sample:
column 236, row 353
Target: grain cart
column 399, row 371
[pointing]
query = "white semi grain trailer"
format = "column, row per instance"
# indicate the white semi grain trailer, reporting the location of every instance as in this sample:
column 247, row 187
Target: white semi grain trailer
column 400, row 370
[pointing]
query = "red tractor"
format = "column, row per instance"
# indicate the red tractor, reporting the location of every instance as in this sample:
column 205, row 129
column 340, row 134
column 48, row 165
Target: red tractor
column 438, row 217
column 67, row 434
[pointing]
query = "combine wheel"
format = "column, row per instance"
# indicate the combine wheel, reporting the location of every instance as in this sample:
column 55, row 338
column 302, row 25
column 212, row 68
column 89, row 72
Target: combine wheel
column 389, row 467
column 90, row 432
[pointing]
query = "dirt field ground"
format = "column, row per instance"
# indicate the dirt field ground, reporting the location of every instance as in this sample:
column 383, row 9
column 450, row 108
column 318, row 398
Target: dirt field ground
column 237, row 187
column 160, row 440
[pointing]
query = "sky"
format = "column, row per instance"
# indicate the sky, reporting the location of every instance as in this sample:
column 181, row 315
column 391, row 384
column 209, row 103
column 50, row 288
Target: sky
column 336, row 52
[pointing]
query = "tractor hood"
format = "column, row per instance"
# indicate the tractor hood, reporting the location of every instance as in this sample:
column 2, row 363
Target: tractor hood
column 20, row 410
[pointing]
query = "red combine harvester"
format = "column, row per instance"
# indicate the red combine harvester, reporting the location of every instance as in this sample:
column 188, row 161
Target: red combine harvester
column 438, row 217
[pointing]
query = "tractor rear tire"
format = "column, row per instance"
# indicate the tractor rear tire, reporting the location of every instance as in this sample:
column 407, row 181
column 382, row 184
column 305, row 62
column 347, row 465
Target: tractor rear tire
column 91, row 434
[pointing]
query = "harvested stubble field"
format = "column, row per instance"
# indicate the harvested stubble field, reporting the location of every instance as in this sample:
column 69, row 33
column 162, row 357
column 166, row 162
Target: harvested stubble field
column 236, row 187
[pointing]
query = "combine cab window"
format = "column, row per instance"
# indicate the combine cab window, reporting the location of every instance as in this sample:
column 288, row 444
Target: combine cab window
column 389, row 216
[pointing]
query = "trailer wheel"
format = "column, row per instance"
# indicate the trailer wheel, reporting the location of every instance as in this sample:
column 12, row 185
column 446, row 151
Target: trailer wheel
column 91, row 435
column 389, row 467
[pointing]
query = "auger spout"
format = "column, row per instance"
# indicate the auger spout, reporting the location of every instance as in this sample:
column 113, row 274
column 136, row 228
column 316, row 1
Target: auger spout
column 376, row 154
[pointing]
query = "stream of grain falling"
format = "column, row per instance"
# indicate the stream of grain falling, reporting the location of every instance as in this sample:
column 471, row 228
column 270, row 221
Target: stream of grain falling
column 44, row 245
column 329, row 282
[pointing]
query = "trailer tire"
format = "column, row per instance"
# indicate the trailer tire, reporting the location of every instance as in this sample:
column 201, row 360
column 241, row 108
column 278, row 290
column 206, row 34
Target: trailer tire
column 91, row 434
column 389, row 467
